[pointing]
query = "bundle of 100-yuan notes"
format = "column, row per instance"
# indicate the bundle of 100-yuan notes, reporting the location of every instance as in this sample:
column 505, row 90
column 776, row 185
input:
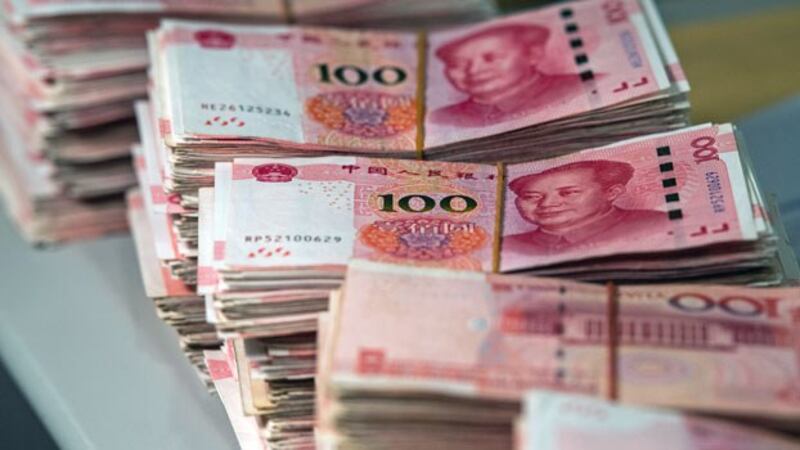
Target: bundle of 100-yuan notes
column 241, row 108
column 526, row 86
column 71, row 70
column 432, row 358
column 276, row 235
column 682, row 205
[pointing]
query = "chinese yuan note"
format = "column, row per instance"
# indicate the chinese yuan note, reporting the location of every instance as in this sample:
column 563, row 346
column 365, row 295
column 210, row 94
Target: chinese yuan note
column 320, row 212
column 398, row 93
column 48, row 8
column 537, row 67
column 710, row 349
column 555, row 421
column 481, row 337
column 311, row 86
column 730, row 351
column 652, row 194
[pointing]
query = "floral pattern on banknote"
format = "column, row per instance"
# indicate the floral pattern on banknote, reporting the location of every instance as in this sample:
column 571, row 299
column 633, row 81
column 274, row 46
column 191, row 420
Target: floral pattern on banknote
column 424, row 239
column 364, row 114
column 428, row 214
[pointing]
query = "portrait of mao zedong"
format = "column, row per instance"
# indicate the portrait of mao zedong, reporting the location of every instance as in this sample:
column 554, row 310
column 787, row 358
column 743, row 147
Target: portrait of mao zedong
column 572, row 207
column 498, row 69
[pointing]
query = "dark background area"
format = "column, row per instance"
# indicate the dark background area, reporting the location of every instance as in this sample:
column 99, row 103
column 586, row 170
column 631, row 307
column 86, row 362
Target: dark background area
column 20, row 428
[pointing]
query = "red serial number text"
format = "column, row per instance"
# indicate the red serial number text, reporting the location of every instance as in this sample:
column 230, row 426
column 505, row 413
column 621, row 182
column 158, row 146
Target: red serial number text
column 247, row 109
column 285, row 238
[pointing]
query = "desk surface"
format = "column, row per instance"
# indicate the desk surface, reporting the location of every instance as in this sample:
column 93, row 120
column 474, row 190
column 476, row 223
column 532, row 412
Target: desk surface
column 85, row 346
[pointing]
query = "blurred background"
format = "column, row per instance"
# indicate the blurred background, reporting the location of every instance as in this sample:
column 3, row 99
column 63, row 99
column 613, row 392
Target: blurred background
column 740, row 57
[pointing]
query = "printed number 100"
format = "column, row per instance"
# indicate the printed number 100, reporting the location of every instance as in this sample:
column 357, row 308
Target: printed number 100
column 350, row 75
column 425, row 203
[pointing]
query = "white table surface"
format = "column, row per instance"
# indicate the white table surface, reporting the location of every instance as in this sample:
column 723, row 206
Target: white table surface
column 85, row 346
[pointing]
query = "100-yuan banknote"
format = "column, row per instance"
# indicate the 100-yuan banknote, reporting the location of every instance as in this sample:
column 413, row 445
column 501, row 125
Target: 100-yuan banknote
column 659, row 193
column 709, row 349
column 399, row 93
column 555, row 421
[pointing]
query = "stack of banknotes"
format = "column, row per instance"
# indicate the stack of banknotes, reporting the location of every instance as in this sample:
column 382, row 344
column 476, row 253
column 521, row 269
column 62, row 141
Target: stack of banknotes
column 176, row 303
column 70, row 73
column 552, row 143
column 526, row 86
column 682, row 205
column 431, row 358
column 276, row 234
column 71, row 70
column 558, row 421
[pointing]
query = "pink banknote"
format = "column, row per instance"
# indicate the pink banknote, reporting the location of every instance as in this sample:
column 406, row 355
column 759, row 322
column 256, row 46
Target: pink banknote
column 314, row 86
column 283, row 10
column 304, row 7
column 22, row 10
column 154, row 162
column 206, row 273
column 318, row 212
column 158, row 280
column 656, row 193
column 245, row 427
column 726, row 350
column 553, row 421
column 161, row 223
column 405, row 92
column 536, row 67
column 707, row 348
